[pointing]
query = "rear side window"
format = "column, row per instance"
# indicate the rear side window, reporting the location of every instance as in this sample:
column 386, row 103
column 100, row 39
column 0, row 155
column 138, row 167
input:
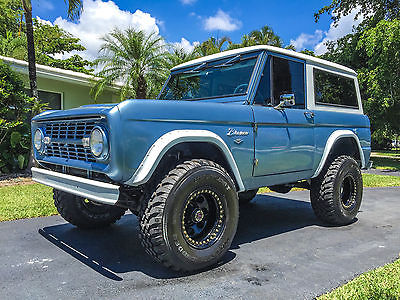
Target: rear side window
column 336, row 90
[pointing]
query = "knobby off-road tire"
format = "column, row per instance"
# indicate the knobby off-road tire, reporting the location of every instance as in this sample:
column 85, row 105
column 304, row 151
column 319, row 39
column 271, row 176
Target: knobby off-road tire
column 189, row 221
column 337, row 192
column 84, row 213
column 247, row 196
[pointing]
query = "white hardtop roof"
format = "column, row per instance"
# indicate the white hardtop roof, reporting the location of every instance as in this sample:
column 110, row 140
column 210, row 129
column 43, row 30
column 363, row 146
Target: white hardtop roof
column 307, row 58
column 54, row 73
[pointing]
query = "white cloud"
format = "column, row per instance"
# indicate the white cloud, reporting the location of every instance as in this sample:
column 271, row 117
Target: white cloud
column 221, row 21
column 45, row 22
column 186, row 45
column 187, row 2
column 306, row 40
column 318, row 40
column 99, row 18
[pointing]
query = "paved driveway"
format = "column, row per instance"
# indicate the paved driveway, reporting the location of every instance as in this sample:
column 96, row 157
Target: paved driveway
column 280, row 251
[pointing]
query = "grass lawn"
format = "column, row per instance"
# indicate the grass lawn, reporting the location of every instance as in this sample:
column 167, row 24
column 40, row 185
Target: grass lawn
column 26, row 201
column 36, row 200
column 381, row 283
column 385, row 163
column 391, row 153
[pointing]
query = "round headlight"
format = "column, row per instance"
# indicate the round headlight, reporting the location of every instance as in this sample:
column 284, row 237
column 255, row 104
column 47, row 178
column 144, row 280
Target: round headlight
column 98, row 143
column 38, row 139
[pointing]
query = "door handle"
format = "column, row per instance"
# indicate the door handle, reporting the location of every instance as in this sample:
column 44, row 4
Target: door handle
column 309, row 114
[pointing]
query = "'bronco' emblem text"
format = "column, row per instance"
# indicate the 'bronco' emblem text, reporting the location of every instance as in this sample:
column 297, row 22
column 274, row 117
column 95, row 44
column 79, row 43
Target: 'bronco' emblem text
column 234, row 132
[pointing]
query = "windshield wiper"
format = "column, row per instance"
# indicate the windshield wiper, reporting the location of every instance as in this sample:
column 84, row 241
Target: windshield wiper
column 230, row 62
column 196, row 69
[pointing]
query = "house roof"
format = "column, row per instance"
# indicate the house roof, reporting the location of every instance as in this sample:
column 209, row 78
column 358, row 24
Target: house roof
column 307, row 58
column 54, row 73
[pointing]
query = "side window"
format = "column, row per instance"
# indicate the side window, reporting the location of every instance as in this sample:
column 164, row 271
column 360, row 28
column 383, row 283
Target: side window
column 287, row 78
column 332, row 89
column 263, row 94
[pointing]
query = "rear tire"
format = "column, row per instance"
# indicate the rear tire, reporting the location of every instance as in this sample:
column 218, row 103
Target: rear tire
column 84, row 213
column 336, row 193
column 191, row 218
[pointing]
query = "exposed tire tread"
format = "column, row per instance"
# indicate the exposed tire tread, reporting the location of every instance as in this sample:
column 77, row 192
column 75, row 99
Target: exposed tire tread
column 151, row 213
column 67, row 207
column 322, row 192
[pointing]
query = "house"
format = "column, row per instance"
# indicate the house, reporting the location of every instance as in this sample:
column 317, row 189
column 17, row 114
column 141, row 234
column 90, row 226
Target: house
column 63, row 89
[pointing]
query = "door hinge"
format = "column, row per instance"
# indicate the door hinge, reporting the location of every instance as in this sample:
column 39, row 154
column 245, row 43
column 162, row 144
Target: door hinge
column 255, row 162
column 255, row 127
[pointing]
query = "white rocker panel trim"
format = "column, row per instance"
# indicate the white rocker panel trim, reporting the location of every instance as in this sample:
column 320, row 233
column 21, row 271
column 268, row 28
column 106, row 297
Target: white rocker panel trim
column 331, row 141
column 172, row 138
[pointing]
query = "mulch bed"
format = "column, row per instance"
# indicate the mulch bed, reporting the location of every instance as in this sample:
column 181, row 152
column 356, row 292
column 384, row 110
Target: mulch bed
column 16, row 179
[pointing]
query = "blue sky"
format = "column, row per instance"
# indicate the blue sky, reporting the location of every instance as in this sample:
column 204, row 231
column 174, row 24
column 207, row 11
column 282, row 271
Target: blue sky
column 190, row 21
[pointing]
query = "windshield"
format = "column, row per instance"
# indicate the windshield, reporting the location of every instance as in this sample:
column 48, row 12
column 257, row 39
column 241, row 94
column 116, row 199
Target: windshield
column 223, row 78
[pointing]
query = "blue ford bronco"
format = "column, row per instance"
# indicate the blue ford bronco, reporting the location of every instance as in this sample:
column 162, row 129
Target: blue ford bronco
column 222, row 127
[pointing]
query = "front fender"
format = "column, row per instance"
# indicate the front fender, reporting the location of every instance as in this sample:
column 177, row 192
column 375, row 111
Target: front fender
column 172, row 138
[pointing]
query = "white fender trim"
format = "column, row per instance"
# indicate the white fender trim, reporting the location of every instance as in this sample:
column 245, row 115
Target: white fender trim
column 331, row 141
column 172, row 138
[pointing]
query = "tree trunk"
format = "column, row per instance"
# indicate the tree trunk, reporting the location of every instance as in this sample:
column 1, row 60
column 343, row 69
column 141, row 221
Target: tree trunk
column 141, row 88
column 31, row 48
column 27, row 5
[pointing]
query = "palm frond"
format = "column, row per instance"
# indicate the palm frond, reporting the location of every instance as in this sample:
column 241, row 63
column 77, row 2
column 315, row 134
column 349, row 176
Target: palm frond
column 74, row 8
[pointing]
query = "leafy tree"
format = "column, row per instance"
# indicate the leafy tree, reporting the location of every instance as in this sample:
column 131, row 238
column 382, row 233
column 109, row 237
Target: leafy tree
column 12, row 46
column 372, row 49
column 370, row 9
column 134, row 58
column 51, row 40
column 380, row 77
column 10, row 17
column 14, row 132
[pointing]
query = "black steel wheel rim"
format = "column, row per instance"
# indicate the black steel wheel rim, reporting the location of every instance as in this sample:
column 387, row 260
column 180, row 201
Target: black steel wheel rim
column 203, row 218
column 347, row 192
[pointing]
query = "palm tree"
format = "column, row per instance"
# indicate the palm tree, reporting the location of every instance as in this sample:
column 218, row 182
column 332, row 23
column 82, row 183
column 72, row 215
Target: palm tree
column 264, row 36
column 212, row 45
column 74, row 10
column 134, row 58
column 177, row 56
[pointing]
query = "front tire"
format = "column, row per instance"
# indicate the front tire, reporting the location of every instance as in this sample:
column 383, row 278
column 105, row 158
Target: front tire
column 191, row 218
column 336, row 193
column 84, row 213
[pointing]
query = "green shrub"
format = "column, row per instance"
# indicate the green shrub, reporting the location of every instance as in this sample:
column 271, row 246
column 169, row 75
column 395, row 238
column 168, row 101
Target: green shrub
column 14, row 121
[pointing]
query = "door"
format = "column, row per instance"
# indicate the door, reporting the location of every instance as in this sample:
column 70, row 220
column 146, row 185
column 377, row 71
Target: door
column 284, row 139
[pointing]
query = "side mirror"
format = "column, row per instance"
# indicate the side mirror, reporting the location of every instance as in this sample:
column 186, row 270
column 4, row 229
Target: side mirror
column 286, row 100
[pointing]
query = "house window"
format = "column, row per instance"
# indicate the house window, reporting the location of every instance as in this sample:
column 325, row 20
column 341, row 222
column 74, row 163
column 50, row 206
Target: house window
column 53, row 99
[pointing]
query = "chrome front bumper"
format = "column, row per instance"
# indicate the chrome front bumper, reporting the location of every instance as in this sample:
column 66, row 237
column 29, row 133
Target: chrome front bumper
column 97, row 191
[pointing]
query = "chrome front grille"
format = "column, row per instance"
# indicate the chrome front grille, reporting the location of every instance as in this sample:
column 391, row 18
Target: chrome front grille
column 65, row 139
column 69, row 151
column 69, row 129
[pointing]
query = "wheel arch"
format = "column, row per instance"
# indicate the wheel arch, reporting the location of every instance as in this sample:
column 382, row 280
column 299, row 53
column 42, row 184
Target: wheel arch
column 341, row 142
column 187, row 141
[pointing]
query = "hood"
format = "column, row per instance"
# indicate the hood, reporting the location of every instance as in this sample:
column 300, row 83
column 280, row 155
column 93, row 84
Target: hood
column 82, row 111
